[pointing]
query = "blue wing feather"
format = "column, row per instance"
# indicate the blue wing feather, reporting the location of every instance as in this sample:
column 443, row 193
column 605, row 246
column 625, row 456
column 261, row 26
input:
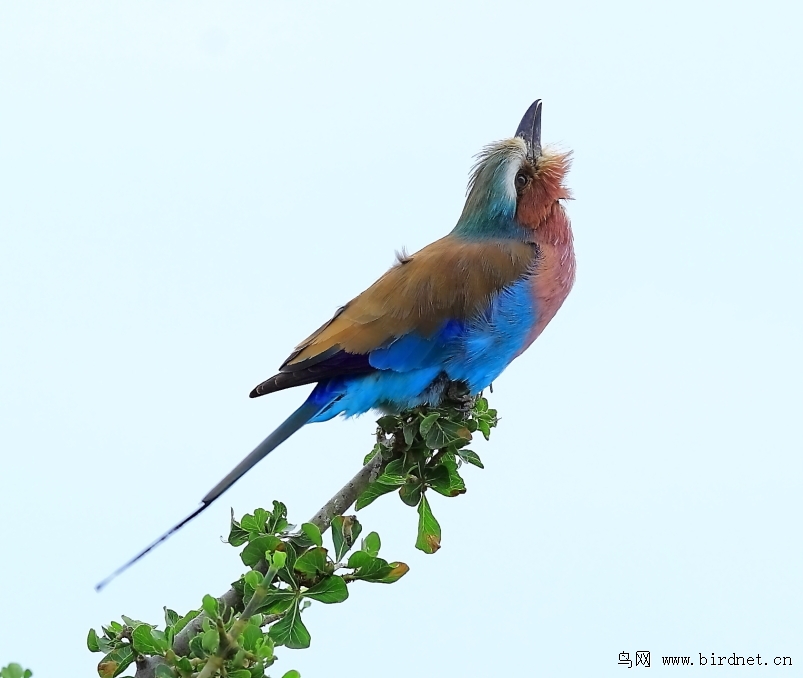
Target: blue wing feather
column 406, row 371
column 412, row 351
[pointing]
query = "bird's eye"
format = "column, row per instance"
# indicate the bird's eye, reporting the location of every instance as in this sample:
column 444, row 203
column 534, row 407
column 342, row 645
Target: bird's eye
column 521, row 180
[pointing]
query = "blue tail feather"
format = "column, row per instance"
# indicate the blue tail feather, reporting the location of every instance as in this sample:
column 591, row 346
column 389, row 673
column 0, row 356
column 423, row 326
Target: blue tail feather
column 288, row 427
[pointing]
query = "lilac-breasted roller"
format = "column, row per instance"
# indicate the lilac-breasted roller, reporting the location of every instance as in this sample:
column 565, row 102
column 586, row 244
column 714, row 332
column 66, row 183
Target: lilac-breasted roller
column 459, row 310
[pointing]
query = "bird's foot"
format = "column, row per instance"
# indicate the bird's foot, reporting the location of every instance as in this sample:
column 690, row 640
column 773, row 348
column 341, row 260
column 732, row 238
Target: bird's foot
column 458, row 396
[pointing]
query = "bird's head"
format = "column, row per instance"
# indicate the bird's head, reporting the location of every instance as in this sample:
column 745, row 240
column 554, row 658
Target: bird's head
column 516, row 185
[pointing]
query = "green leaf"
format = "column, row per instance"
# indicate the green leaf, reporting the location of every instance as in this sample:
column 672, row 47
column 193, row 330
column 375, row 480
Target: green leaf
column 331, row 589
column 427, row 422
column 312, row 562
column 345, row 530
column 279, row 594
column 255, row 524
column 290, row 630
column 210, row 606
column 369, row 568
column 411, row 492
column 445, row 478
column 146, row 642
column 372, row 492
column 279, row 559
column 291, row 552
column 255, row 551
column 438, row 480
column 313, row 533
column 250, row 636
column 388, row 423
column 469, row 456
column 117, row 661
column 394, row 473
column 131, row 623
column 287, row 573
column 444, row 432
column 171, row 616
column 261, row 518
column 183, row 664
column 186, row 619
column 210, row 640
column 253, row 579
column 237, row 535
column 278, row 601
column 292, row 673
column 161, row 639
column 371, row 544
column 164, row 671
column 277, row 519
column 377, row 570
column 484, row 428
column 456, row 483
column 429, row 531
column 246, row 590
column 409, row 431
column 359, row 559
column 15, row 671
column 196, row 646
column 105, row 645
column 374, row 571
column 265, row 648
column 440, row 484
column 240, row 673
column 397, row 571
column 91, row 643
column 377, row 449
column 250, row 525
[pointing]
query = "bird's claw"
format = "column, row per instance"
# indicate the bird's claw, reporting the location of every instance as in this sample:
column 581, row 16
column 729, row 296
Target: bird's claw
column 459, row 397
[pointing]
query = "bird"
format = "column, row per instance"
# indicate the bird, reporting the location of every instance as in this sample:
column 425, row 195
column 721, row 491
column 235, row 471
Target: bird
column 459, row 311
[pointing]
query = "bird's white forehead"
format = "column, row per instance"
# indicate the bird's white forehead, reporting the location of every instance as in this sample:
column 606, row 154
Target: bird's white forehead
column 515, row 151
column 500, row 161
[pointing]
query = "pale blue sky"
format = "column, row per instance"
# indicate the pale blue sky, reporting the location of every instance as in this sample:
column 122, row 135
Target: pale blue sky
column 188, row 189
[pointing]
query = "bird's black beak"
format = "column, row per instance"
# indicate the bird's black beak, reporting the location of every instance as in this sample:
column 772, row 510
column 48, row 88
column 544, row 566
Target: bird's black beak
column 530, row 130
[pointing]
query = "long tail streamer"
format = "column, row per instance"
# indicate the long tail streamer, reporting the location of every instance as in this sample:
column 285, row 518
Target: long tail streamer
column 287, row 428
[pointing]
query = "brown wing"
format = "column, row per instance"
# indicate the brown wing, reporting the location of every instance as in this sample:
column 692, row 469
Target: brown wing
column 449, row 279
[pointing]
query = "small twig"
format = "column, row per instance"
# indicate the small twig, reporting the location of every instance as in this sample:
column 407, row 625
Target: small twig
column 348, row 494
column 228, row 641
column 336, row 506
column 270, row 618
column 146, row 667
column 260, row 593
